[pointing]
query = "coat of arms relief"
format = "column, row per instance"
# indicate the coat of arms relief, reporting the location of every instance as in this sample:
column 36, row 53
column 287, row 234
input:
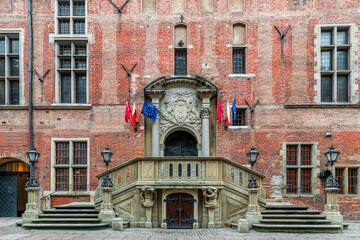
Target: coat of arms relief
column 180, row 107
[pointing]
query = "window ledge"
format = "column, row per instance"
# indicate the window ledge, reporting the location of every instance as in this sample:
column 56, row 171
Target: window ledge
column 238, row 127
column 248, row 75
column 14, row 107
column 63, row 107
column 71, row 193
column 69, row 37
column 301, row 195
column 323, row 105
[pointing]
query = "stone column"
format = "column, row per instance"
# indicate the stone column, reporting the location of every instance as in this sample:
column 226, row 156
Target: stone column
column 331, row 208
column 107, row 213
column 211, row 199
column 155, row 141
column 148, row 196
column 32, row 207
column 253, row 215
column 205, row 123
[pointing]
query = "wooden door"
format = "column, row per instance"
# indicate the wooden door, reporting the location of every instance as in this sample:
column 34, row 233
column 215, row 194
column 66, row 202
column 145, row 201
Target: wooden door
column 179, row 210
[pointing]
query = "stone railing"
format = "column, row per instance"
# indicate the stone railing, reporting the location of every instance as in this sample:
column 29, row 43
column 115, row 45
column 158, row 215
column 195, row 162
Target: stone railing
column 170, row 171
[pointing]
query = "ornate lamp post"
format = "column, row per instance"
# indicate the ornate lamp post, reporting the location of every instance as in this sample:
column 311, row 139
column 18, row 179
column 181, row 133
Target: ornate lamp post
column 33, row 156
column 252, row 155
column 107, row 159
column 332, row 156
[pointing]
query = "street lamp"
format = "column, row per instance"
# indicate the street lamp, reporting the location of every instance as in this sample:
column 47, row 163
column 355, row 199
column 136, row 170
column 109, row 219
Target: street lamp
column 252, row 155
column 107, row 159
column 332, row 156
column 33, row 156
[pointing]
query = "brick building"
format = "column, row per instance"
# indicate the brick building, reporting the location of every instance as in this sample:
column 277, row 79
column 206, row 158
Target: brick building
column 295, row 63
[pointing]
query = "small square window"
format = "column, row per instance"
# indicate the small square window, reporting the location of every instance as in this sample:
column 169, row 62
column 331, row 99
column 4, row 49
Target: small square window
column 240, row 117
column 326, row 37
column 79, row 8
column 326, row 63
column 79, row 26
column 64, row 26
column 342, row 37
column 14, row 46
column 64, row 8
column 65, row 50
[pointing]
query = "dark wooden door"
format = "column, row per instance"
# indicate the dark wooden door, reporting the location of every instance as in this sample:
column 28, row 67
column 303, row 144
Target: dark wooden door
column 8, row 195
column 180, row 143
column 179, row 210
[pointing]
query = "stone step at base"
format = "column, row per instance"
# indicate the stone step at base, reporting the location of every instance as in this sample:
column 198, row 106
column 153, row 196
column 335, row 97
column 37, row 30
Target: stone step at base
column 73, row 215
column 66, row 220
column 71, row 211
column 292, row 216
column 294, row 221
column 298, row 228
column 290, row 211
column 76, row 205
column 285, row 207
column 78, row 226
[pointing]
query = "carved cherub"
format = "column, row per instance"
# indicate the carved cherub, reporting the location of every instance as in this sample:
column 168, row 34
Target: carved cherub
column 211, row 196
column 147, row 196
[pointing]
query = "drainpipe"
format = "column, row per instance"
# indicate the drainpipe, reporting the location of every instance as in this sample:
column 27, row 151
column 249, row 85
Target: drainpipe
column 30, row 75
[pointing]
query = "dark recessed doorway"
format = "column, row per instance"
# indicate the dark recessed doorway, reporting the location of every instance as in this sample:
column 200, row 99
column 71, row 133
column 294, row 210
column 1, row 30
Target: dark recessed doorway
column 180, row 143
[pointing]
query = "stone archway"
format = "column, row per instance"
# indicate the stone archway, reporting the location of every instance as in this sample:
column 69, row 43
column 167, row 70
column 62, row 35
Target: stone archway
column 180, row 143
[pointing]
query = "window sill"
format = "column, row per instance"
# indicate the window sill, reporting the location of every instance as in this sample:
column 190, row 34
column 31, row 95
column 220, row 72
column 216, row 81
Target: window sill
column 323, row 105
column 63, row 107
column 238, row 127
column 300, row 195
column 14, row 107
column 69, row 37
column 70, row 193
column 247, row 75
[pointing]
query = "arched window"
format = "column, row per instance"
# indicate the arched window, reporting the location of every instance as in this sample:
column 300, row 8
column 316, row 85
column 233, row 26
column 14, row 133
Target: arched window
column 180, row 50
column 239, row 48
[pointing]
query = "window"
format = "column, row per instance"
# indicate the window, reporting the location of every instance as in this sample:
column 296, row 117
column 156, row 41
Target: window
column 299, row 168
column 149, row 6
column 72, row 72
column 335, row 49
column 239, row 49
column 180, row 50
column 71, row 16
column 9, row 69
column 240, row 117
column 347, row 178
column 71, row 165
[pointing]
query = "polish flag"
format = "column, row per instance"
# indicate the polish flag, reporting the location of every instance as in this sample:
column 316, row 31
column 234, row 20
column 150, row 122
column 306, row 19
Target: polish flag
column 127, row 111
column 227, row 114
column 219, row 111
column 133, row 117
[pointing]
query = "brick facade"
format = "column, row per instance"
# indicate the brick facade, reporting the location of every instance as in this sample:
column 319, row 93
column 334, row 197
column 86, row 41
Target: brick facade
column 284, row 83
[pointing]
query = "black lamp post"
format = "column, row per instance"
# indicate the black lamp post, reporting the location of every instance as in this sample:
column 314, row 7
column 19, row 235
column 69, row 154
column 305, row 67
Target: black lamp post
column 332, row 156
column 252, row 155
column 33, row 156
column 107, row 159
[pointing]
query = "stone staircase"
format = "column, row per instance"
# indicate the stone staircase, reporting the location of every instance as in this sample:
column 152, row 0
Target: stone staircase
column 294, row 219
column 71, row 216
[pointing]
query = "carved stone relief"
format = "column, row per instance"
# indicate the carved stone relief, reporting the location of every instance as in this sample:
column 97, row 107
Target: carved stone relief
column 180, row 107
column 147, row 196
column 211, row 196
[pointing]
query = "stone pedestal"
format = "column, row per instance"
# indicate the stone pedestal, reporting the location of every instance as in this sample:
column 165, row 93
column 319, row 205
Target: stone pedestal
column 211, row 223
column 107, row 213
column 243, row 225
column 148, row 223
column 331, row 208
column 118, row 224
column 32, row 207
column 253, row 214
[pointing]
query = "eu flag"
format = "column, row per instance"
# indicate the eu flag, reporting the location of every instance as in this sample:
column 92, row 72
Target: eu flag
column 233, row 108
column 149, row 110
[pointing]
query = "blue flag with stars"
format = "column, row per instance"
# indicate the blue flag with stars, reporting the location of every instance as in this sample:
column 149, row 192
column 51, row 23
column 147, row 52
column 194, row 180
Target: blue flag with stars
column 149, row 110
column 233, row 108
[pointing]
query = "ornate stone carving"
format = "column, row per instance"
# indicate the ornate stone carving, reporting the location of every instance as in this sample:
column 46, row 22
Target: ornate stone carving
column 211, row 196
column 205, row 112
column 147, row 196
column 180, row 107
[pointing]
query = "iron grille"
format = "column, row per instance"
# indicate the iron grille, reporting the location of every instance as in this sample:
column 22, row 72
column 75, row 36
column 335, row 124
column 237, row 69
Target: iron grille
column 305, row 154
column 80, row 153
column 240, row 117
column 62, row 179
column 352, row 180
column 64, row 26
column 339, row 175
column 238, row 60
column 80, row 179
column 291, row 182
column 291, row 155
column 305, row 180
column 180, row 62
column 62, row 153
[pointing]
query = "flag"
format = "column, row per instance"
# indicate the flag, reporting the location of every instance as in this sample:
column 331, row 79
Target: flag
column 133, row 117
column 149, row 110
column 227, row 114
column 233, row 108
column 219, row 111
column 127, row 111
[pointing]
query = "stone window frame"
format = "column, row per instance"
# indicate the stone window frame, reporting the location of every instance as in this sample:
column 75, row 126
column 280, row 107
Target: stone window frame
column 315, row 153
column 20, row 33
column 247, row 120
column 345, row 169
column 71, row 142
column 184, row 48
column 71, row 17
column 353, row 59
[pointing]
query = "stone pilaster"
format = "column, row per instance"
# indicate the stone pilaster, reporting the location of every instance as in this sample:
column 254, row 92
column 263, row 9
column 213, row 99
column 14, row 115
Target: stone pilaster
column 148, row 197
column 107, row 213
column 253, row 215
column 331, row 208
column 211, row 199
column 32, row 207
column 155, row 143
column 205, row 123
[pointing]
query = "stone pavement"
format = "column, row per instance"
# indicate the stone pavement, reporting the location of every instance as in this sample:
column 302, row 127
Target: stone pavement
column 8, row 230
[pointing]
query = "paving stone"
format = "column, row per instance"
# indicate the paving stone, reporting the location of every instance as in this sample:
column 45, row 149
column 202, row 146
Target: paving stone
column 14, row 236
column 63, row 236
column 134, row 237
column 38, row 236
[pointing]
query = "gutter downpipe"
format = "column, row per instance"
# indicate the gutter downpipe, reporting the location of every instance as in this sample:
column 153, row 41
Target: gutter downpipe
column 30, row 75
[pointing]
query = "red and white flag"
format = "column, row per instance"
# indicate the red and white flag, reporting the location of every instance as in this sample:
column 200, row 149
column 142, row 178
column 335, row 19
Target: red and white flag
column 219, row 111
column 227, row 114
column 133, row 117
column 127, row 111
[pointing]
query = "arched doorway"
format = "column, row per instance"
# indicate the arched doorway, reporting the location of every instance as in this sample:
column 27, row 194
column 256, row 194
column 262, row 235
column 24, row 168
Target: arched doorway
column 180, row 143
column 13, row 197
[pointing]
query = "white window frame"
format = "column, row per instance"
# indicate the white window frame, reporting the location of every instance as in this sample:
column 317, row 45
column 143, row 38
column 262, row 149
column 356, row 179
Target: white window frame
column 354, row 42
column 70, row 165
column 20, row 33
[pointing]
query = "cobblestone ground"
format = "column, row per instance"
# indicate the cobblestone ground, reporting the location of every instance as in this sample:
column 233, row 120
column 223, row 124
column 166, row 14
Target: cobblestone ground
column 8, row 230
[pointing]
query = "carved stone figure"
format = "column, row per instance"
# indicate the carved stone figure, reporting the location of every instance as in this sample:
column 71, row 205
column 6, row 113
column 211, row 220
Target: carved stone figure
column 211, row 196
column 147, row 196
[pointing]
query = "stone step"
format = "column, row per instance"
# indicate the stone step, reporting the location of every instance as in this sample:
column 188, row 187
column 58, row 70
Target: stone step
column 73, row 215
column 54, row 211
column 301, row 212
column 77, row 205
column 292, row 216
column 66, row 220
column 298, row 228
column 285, row 207
column 294, row 221
column 78, row 226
